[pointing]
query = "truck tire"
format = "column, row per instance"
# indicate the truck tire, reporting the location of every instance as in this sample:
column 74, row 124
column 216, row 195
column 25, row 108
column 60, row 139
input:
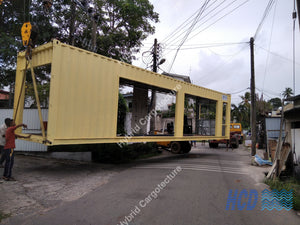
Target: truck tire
column 186, row 146
column 175, row 147
column 235, row 145
column 213, row 145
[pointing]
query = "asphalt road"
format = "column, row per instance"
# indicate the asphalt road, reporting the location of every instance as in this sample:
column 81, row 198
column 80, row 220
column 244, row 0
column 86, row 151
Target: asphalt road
column 184, row 189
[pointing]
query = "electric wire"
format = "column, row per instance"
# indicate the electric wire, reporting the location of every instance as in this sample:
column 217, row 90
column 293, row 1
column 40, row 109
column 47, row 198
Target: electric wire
column 179, row 31
column 266, row 13
column 175, row 38
column 269, row 47
column 237, row 92
column 231, row 11
column 278, row 55
column 208, row 45
column 179, row 28
column 196, row 20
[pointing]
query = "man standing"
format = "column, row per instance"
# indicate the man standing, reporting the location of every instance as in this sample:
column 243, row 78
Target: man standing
column 3, row 129
column 10, row 138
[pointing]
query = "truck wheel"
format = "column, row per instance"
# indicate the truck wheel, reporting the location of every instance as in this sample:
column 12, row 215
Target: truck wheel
column 186, row 146
column 235, row 145
column 175, row 147
column 213, row 145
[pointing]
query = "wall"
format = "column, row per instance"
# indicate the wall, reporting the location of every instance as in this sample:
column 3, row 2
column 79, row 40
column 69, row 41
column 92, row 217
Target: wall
column 30, row 118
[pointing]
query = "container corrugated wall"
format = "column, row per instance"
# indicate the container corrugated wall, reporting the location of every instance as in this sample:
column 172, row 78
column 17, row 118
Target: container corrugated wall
column 84, row 91
column 30, row 118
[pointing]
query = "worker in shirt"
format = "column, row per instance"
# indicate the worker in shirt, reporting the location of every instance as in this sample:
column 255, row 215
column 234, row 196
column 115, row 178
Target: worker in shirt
column 3, row 129
column 10, row 138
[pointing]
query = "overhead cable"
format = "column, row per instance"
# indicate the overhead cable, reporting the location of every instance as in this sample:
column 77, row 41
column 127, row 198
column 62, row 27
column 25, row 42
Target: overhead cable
column 196, row 20
column 266, row 13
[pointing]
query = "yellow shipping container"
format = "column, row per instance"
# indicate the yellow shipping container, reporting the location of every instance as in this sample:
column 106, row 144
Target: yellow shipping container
column 83, row 99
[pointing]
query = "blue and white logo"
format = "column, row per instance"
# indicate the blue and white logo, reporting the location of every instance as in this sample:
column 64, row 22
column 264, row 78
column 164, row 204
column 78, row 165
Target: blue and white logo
column 277, row 200
column 269, row 199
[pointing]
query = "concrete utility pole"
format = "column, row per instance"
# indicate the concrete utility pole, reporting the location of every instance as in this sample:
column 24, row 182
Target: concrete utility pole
column 153, row 95
column 253, row 99
column 154, row 68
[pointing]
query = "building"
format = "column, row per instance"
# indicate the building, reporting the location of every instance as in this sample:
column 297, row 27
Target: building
column 4, row 99
column 292, row 118
column 178, row 77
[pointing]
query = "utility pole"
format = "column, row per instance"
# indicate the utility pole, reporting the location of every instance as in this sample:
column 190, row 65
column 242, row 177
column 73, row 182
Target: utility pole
column 154, row 69
column 253, row 99
column 153, row 93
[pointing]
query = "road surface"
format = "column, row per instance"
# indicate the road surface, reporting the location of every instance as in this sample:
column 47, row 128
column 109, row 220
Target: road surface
column 182, row 189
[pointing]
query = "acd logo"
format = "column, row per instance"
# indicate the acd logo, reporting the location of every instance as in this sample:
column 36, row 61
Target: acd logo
column 238, row 199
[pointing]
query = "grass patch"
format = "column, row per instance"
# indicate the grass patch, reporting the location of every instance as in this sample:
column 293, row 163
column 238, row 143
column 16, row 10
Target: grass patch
column 290, row 184
column 4, row 216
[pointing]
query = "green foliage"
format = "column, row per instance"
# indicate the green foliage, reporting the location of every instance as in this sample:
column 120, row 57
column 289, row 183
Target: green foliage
column 241, row 113
column 12, row 16
column 121, row 28
column 288, row 92
column 275, row 103
column 288, row 185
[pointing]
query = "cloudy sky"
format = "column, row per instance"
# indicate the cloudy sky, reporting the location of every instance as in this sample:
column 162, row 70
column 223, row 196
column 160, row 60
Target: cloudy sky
column 216, row 53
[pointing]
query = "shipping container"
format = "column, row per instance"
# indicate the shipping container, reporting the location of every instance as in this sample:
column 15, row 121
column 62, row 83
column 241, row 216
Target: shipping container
column 84, row 100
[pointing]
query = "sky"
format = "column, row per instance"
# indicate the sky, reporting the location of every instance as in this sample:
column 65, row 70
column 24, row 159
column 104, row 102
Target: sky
column 230, row 24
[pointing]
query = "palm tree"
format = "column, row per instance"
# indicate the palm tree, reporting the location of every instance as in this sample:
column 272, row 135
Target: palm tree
column 246, row 98
column 288, row 92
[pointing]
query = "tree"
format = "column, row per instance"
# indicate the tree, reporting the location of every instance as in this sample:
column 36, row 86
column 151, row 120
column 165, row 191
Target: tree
column 246, row 99
column 12, row 17
column 288, row 92
column 275, row 103
column 121, row 26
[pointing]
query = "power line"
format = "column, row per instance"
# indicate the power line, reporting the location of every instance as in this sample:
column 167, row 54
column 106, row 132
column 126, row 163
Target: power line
column 237, row 92
column 180, row 30
column 196, row 20
column 216, row 15
column 175, row 38
column 267, row 10
column 269, row 47
column 208, row 45
column 276, row 54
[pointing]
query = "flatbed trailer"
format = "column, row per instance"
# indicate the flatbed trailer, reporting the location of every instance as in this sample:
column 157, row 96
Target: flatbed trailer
column 84, row 93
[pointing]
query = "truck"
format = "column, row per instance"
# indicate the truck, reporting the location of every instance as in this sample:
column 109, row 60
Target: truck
column 236, row 137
